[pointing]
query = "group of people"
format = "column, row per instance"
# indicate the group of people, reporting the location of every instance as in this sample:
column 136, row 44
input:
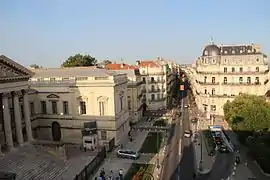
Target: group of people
column 111, row 176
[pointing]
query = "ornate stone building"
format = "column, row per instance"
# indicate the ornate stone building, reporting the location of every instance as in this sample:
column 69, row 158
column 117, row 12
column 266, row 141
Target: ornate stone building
column 64, row 100
column 15, row 122
column 225, row 71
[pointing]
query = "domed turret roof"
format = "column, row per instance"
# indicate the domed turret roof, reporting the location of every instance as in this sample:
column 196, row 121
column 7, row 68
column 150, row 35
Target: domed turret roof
column 211, row 49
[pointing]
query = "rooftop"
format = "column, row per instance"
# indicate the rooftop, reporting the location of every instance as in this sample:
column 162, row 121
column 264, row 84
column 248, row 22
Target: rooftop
column 121, row 66
column 74, row 72
column 33, row 162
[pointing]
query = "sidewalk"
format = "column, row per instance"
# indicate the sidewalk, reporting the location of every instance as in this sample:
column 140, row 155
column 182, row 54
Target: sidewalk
column 201, row 153
column 112, row 163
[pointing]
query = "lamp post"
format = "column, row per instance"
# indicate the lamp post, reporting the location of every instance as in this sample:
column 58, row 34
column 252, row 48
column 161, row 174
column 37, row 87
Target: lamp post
column 157, row 151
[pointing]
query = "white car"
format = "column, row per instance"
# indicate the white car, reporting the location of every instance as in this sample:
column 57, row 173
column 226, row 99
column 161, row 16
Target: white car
column 186, row 106
column 187, row 133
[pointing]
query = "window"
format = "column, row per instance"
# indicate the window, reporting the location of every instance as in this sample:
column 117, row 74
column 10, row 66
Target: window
column 213, row 91
column 32, row 108
column 153, row 88
column 82, row 107
column 54, row 107
column 240, row 69
column 152, row 79
column 233, row 69
column 213, row 80
column 129, row 105
column 205, row 79
column 143, row 79
column 52, row 79
column 65, row 107
column 43, row 107
column 257, row 80
column 158, row 96
column 248, row 80
column 240, row 80
column 225, row 80
column 257, row 69
column 152, row 97
column 103, row 135
column 121, row 103
column 101, row 108
column 225, row 69
column 213, row 107
column 82, row 78
column 205, row 91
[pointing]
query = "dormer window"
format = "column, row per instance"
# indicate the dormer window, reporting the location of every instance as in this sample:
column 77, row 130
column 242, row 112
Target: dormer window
column 205, row 53
column 233, row 51
column 205, row 91
column 205, row 79
column 257, row 69
column 257, row 60
column 240, row 80
column 233, row 69
column 241, row 51
column 225, row 69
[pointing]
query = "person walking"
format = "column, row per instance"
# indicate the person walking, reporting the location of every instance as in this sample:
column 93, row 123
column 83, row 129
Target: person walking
column 121, row 174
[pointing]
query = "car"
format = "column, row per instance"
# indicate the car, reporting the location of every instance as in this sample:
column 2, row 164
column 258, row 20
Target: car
column 223, row 149
column 186, row 106
column 126, row 153
column 187, row 133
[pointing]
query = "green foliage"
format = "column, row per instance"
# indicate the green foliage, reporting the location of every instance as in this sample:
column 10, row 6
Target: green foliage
column 107, row 62
column 248, row 113
column 79, row 60
column 35, row 66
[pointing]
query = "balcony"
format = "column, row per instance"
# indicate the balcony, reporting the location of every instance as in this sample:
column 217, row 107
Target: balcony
column 234, row 73
column 207, row 83
column 156, row 90
column 157, row 100
column 216, row 95
column 242, row 83
column 156, row 81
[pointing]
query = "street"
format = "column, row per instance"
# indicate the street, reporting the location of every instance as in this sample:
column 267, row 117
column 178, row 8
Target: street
column 180, row 165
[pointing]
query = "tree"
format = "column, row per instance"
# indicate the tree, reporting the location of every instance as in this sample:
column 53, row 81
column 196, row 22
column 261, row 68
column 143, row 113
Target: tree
column 35, row 66
column 79, row 60
column 107, row 62
column 248, row 113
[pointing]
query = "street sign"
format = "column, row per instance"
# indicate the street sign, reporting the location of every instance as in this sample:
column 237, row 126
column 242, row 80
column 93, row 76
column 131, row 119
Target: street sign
column 182, row 87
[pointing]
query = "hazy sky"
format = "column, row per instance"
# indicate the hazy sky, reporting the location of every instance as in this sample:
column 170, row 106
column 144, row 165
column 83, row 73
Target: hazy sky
column 46, row 32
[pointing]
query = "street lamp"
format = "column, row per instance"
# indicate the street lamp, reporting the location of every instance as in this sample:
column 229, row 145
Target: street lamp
column 157, row 151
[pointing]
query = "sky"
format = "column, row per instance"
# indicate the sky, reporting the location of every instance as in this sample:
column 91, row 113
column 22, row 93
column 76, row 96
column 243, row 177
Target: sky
column 47, row 32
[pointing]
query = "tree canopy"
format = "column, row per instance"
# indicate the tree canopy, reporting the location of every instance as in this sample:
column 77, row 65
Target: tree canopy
column 79, row 60
column 248, row 113
column 35, row 66
column 107, row 62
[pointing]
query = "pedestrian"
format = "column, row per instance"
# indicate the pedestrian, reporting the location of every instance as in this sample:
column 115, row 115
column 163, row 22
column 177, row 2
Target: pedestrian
column 121, row 174
column 246, row 163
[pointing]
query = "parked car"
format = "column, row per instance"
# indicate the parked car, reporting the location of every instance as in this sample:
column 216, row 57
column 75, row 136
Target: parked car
column 223, row 149
column 129, row 154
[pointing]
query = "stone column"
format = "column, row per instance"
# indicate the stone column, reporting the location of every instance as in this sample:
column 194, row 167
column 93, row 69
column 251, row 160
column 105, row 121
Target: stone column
column 18, row 119
column 27, row 116
column 7, row 120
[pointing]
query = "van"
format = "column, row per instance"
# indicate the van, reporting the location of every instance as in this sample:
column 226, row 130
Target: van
column 125, row 153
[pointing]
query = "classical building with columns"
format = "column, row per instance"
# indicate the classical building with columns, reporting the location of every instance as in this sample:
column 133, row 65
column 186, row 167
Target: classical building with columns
column 224, row 71
column 15, row 122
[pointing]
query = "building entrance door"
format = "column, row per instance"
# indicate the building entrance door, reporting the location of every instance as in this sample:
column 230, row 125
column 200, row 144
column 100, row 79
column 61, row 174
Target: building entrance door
column 56, row 131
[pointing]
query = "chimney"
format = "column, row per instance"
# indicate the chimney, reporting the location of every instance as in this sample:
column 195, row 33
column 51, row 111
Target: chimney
column 122, row 65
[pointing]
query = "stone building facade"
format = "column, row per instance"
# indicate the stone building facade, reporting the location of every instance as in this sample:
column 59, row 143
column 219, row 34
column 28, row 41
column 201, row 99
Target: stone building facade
column 225, row 71
column 63, row 100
